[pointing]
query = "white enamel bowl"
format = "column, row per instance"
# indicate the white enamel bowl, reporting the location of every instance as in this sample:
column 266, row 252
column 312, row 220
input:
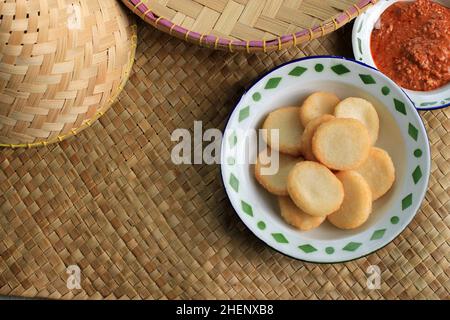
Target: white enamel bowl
column 402, row 134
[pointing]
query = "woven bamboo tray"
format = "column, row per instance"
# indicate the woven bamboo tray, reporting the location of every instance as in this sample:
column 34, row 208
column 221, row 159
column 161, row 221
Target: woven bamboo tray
column 248, row 25
column 62, row 65
column 110, row 200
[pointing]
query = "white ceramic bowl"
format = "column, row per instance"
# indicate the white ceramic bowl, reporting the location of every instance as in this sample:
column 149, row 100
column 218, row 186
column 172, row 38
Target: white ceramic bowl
column 402, row 134
column 362, row 31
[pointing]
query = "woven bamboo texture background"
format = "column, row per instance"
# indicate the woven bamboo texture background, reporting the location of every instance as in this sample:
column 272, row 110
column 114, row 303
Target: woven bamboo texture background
column 248, row 25
column 62, row 64
column 110, row 201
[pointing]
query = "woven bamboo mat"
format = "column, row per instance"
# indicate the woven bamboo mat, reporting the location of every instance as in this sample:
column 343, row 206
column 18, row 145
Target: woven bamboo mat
column 110, row 201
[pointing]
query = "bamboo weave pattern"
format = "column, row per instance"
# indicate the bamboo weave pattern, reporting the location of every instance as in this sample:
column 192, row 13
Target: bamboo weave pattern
column 62, row 63
column 111, row 201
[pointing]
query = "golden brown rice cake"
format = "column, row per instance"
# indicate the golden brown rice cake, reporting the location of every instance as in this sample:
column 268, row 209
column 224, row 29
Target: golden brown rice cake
column 290, row 130
column 357, row 205
column 296, row 217
column 314, row 188
column 316, row 105
column 341, row 144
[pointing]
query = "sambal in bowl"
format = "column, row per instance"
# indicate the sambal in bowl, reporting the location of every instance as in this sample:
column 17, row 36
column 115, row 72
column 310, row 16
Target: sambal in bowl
column 409, row 41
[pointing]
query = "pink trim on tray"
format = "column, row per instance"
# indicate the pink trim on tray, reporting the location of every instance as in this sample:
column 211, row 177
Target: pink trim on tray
column 213, row 40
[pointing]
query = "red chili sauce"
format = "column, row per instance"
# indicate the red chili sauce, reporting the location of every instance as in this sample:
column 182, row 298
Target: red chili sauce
column 411, row 44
